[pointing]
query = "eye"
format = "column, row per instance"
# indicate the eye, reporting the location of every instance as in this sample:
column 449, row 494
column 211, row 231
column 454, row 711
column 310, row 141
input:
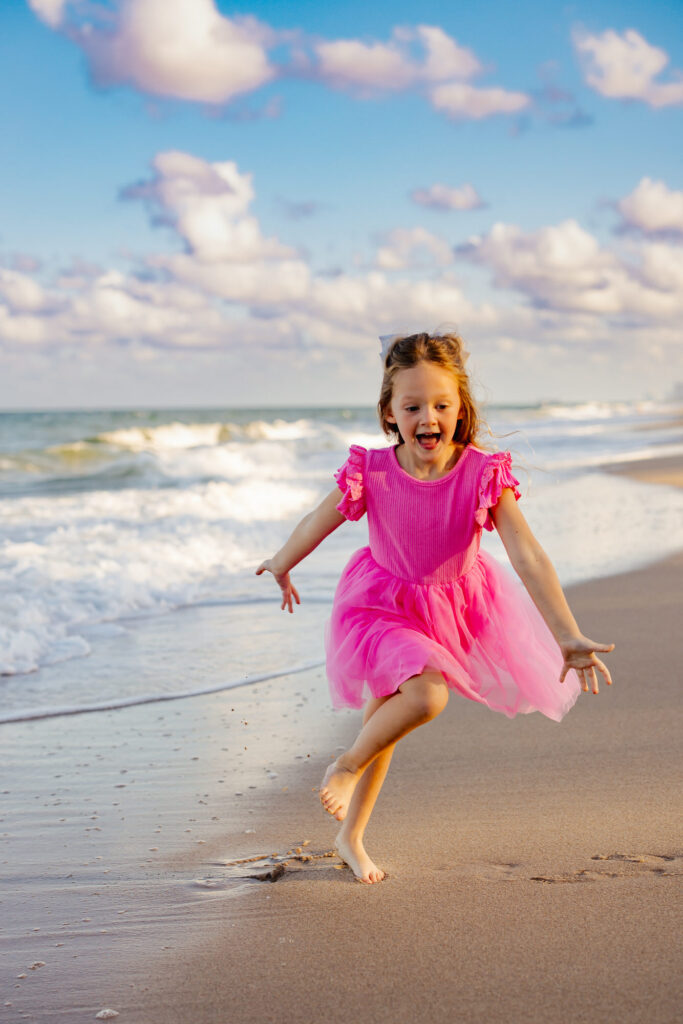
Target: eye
column 411, row 408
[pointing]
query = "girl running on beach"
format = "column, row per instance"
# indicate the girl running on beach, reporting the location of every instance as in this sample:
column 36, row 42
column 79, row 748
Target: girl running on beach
column 421, row 610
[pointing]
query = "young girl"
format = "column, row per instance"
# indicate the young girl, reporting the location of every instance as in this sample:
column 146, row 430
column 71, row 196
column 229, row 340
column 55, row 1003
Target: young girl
column 422, row 610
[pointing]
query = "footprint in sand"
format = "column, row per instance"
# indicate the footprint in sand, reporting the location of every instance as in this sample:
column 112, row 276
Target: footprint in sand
column 499, row 872
column 266, row 868
column 621, row 865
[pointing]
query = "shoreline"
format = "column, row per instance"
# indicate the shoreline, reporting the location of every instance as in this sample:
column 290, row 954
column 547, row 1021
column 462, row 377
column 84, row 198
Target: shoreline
column 506, row 838
column 47, row 688
column 665, row 469
column 531, row 864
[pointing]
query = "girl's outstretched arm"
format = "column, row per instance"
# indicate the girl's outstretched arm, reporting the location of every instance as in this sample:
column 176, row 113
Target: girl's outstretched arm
column 538, row 575
column 306, row 536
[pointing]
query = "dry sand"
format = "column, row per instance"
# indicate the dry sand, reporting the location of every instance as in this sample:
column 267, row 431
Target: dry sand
column 533, row 866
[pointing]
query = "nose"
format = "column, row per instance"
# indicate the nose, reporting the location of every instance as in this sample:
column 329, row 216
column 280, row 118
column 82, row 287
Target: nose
column 429, row 417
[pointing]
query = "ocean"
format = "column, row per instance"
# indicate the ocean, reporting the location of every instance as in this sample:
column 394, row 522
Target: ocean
column 123, row 533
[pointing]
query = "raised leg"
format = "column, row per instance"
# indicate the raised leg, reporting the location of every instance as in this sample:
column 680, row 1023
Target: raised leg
column 417, row 700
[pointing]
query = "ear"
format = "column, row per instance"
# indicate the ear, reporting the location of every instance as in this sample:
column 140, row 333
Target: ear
column 389, row 417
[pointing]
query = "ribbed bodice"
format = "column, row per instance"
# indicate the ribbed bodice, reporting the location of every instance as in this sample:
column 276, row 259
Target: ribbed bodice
column 424, row 531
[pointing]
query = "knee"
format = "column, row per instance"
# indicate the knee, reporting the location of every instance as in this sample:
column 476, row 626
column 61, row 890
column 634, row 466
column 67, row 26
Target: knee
column 429, row 695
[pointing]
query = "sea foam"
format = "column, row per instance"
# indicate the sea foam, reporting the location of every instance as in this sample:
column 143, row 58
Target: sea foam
column 108, row 517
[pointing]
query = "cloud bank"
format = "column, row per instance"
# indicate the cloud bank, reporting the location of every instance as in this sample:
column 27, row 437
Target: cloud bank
column 225, row 285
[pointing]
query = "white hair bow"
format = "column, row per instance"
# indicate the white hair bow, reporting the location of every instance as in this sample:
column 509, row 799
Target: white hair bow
column 387, row 340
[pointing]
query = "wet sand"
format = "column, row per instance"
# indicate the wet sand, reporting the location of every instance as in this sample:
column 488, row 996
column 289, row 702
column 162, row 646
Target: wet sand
column 667, row 469
column 532, row 866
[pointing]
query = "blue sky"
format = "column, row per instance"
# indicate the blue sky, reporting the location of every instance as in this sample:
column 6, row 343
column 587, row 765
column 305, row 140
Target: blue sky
column 212, row 204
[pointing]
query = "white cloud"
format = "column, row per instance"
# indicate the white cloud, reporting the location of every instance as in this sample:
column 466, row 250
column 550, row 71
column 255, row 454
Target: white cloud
column 260, row 284
column 407, row 247
column 187, row 49
column 227, row 255
column 118, row 306
column 625, row 66
column 562, row 267
column 662, row 266
column 442, row 68
column 445, row 197
column 20, row 292
column 180, row 48
column 364, row 67
column 23, row 329
column 445, row 58
column 355, row 303
column 229, row 280
column 653, row 208
column 49, row 11
column 208, row 205
column 459, row 100
column 231, row 286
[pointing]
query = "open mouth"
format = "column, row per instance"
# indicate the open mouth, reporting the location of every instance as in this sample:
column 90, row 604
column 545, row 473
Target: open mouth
column 428, row 441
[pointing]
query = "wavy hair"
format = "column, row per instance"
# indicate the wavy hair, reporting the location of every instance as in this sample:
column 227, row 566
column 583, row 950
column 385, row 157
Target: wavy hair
column 446, row 350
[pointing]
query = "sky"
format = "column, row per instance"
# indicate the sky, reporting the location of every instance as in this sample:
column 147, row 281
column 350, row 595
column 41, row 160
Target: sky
column 224, row 204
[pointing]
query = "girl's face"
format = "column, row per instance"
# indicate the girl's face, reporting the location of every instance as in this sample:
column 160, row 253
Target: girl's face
column 425, row 406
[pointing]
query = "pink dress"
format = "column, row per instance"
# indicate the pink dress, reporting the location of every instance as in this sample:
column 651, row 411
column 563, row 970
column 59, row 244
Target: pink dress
column 423, row 594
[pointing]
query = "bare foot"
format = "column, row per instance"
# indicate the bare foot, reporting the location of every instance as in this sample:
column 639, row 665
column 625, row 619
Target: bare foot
column 337, row 789
column 352, row 852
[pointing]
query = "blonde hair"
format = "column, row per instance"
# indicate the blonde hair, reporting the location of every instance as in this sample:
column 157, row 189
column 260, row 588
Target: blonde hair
column 446, row 350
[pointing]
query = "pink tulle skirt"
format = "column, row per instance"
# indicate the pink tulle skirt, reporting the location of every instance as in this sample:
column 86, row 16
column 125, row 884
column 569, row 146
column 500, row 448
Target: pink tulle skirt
column 482, row 631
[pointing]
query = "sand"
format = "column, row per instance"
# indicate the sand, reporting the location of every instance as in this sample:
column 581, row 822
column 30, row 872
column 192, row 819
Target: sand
column 663, row 470
column 532, row 866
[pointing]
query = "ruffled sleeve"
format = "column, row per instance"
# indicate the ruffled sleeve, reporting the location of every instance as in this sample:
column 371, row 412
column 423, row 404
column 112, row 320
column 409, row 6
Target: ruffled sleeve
column 496, row 476
column 350, row 480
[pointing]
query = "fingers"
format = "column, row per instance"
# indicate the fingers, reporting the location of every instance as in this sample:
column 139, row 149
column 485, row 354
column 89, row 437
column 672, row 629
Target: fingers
column 286, row 586
column 287, row 598
column 605, row 671
column 588, row 677
column 582, row 659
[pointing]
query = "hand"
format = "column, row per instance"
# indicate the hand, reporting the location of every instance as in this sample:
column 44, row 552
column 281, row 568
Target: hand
column 578, row 653
column 283, row 581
